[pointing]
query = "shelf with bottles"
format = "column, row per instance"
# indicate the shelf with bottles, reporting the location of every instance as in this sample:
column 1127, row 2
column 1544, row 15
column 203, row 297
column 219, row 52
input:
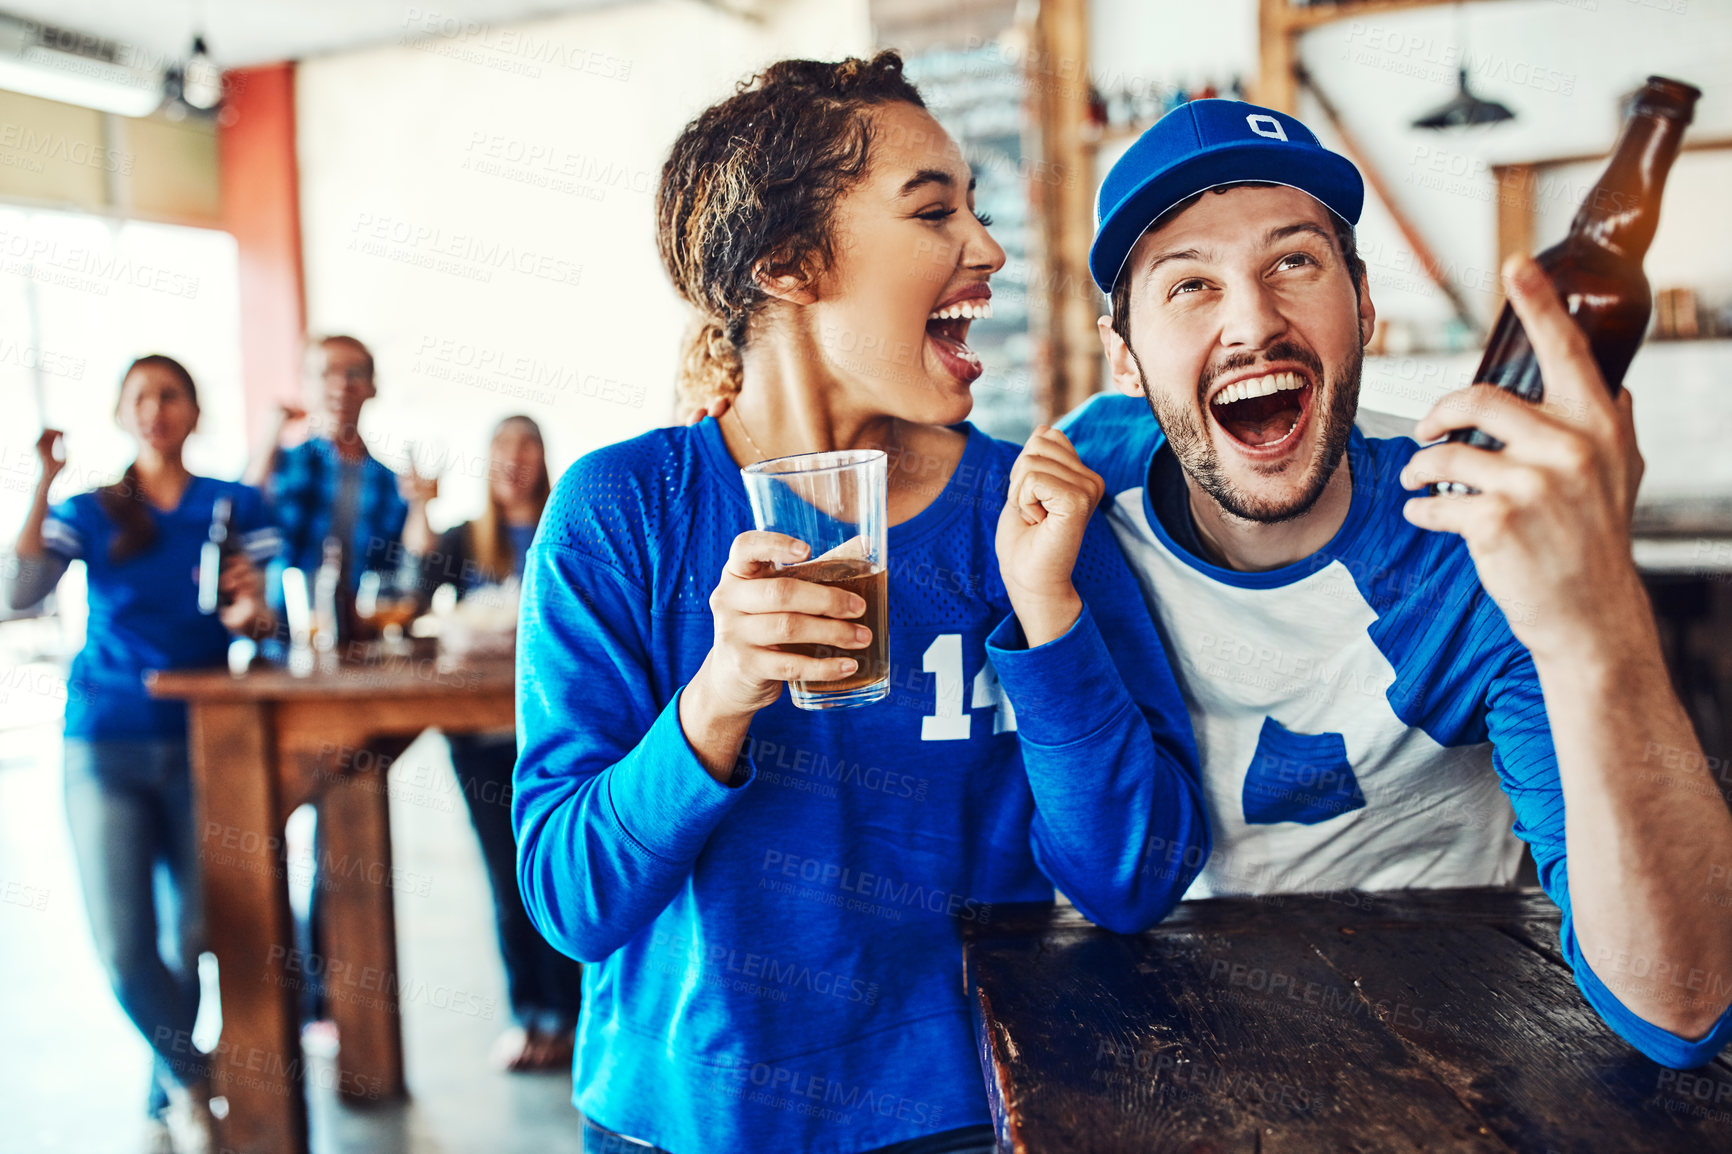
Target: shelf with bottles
column 1681, row 315
column 1398, row 336
column 1126, row 112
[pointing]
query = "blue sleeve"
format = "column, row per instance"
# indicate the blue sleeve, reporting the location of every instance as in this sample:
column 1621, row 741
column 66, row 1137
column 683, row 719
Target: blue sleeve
column 1527, row 764
column 611, row 806
column 1119, row 822
column 252, row 526
column 68, row 531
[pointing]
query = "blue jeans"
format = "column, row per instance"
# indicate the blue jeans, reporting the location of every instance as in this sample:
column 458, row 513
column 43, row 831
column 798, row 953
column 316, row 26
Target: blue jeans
column 968, row 1140
column 129, row 807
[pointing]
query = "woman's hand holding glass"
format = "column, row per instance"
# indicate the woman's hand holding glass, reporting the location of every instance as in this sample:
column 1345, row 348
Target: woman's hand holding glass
column 1051, row 497
column 756, row 611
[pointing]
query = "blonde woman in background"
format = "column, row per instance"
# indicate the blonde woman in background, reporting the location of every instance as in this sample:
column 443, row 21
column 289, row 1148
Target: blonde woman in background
column 478, row 558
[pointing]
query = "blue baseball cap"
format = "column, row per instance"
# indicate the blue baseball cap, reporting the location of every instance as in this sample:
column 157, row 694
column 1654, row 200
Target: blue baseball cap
column 1202, row 145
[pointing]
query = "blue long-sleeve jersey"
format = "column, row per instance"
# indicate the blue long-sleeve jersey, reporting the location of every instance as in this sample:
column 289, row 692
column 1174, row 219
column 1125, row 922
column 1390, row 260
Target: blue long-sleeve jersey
column 777, row 965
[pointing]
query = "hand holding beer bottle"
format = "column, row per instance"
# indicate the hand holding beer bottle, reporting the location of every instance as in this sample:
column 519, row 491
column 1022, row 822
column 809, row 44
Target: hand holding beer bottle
column 244, row 608
column 1548, row 521
column 1596, row 270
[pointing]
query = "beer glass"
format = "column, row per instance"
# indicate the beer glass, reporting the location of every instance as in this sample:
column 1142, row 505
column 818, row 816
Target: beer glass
column 836, row 503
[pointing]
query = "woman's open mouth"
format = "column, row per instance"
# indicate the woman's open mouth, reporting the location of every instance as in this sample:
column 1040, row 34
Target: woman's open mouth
column 947, row 330
column 1264, row 414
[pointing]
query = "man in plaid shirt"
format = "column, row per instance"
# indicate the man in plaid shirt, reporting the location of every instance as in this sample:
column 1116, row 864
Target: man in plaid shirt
column 329, row 484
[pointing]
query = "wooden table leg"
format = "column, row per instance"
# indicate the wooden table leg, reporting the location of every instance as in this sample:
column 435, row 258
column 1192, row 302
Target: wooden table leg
column 257, row 1066
column 358, row 910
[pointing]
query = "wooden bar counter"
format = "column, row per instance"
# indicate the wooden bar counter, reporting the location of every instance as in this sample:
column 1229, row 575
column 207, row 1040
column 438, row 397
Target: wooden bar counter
column 261, row 745
column 1424, row 1020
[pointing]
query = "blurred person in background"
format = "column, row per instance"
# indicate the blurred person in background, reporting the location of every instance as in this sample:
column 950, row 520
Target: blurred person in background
column 483, row 561
column 328, row 486
column 129, row 797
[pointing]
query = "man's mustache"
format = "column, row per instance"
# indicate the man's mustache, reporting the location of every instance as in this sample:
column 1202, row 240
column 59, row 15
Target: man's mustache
column 1285, row 350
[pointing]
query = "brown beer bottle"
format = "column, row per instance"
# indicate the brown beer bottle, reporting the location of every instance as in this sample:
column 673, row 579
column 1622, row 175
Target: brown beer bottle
column 1597, row 269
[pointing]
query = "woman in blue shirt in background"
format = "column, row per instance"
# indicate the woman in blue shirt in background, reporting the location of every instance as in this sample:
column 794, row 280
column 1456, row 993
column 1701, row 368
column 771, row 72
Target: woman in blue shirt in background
column 772, row 900
column 128, row 786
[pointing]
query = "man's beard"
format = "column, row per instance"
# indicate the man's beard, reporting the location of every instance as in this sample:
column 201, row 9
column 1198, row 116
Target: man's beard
column 1336, row 401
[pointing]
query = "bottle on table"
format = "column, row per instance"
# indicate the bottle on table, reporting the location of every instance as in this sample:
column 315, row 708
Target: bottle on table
column 1597, row 268
column 333, row 606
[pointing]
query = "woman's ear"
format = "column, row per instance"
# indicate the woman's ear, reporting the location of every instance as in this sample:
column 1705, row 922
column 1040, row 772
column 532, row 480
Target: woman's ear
column 785, row 282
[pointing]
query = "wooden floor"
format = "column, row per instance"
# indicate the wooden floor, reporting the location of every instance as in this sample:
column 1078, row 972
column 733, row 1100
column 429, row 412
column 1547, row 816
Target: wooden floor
column 73, row 1071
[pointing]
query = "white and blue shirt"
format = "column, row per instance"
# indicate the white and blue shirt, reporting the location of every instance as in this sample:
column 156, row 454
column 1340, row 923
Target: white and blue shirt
column 778, row 966
column 1365, row 718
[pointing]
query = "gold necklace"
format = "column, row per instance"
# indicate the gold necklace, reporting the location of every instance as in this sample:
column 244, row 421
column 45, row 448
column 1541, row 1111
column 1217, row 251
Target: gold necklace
column 741, row 421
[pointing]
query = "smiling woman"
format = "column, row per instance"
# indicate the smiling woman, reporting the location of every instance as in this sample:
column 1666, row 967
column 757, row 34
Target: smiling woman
column 754, row 209
column 776, row 936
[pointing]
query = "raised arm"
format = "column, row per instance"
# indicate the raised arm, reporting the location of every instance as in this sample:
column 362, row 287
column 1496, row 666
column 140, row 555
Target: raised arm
column 1646, row 835
column 417, row 491
column 30, row 545
column 262, row 462
column 1106, row 742
column 38, row 569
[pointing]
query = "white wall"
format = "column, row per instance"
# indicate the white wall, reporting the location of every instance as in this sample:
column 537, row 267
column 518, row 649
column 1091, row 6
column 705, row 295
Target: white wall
column 478, row 208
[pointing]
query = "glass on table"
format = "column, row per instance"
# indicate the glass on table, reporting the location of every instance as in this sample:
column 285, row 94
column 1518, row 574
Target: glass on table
column 386, row 601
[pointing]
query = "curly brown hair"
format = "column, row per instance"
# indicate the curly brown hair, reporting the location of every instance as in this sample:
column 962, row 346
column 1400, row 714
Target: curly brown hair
column 752, row 183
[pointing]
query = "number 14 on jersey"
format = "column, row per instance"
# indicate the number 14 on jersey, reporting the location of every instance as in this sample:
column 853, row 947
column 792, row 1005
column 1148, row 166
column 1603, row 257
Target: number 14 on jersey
column 948, row 721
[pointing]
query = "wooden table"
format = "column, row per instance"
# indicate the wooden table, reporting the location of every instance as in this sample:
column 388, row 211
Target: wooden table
column 1424, row 1020
column 261, row 745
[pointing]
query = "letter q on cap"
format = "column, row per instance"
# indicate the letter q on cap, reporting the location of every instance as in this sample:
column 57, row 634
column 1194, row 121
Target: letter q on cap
column 1274, row 131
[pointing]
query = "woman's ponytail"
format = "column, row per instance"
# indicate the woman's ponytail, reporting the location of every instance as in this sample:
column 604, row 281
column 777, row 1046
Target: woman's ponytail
column 123, row 504
column 710, row 368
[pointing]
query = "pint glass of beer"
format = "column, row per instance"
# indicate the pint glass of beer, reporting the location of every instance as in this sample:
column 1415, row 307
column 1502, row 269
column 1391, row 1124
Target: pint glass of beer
column 836, row 503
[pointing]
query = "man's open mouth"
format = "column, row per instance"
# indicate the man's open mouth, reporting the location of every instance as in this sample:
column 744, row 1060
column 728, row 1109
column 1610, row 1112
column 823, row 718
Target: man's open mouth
column 1263, row 412
column 947, row 329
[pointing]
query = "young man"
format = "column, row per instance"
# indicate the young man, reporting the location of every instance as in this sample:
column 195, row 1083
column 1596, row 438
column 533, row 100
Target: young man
column 329, row 484
column 1382, row 682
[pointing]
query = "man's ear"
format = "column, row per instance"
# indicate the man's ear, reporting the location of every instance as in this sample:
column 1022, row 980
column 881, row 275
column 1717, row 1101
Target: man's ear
column 786, row 282
column 1127, row 378
column 1367, row 311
